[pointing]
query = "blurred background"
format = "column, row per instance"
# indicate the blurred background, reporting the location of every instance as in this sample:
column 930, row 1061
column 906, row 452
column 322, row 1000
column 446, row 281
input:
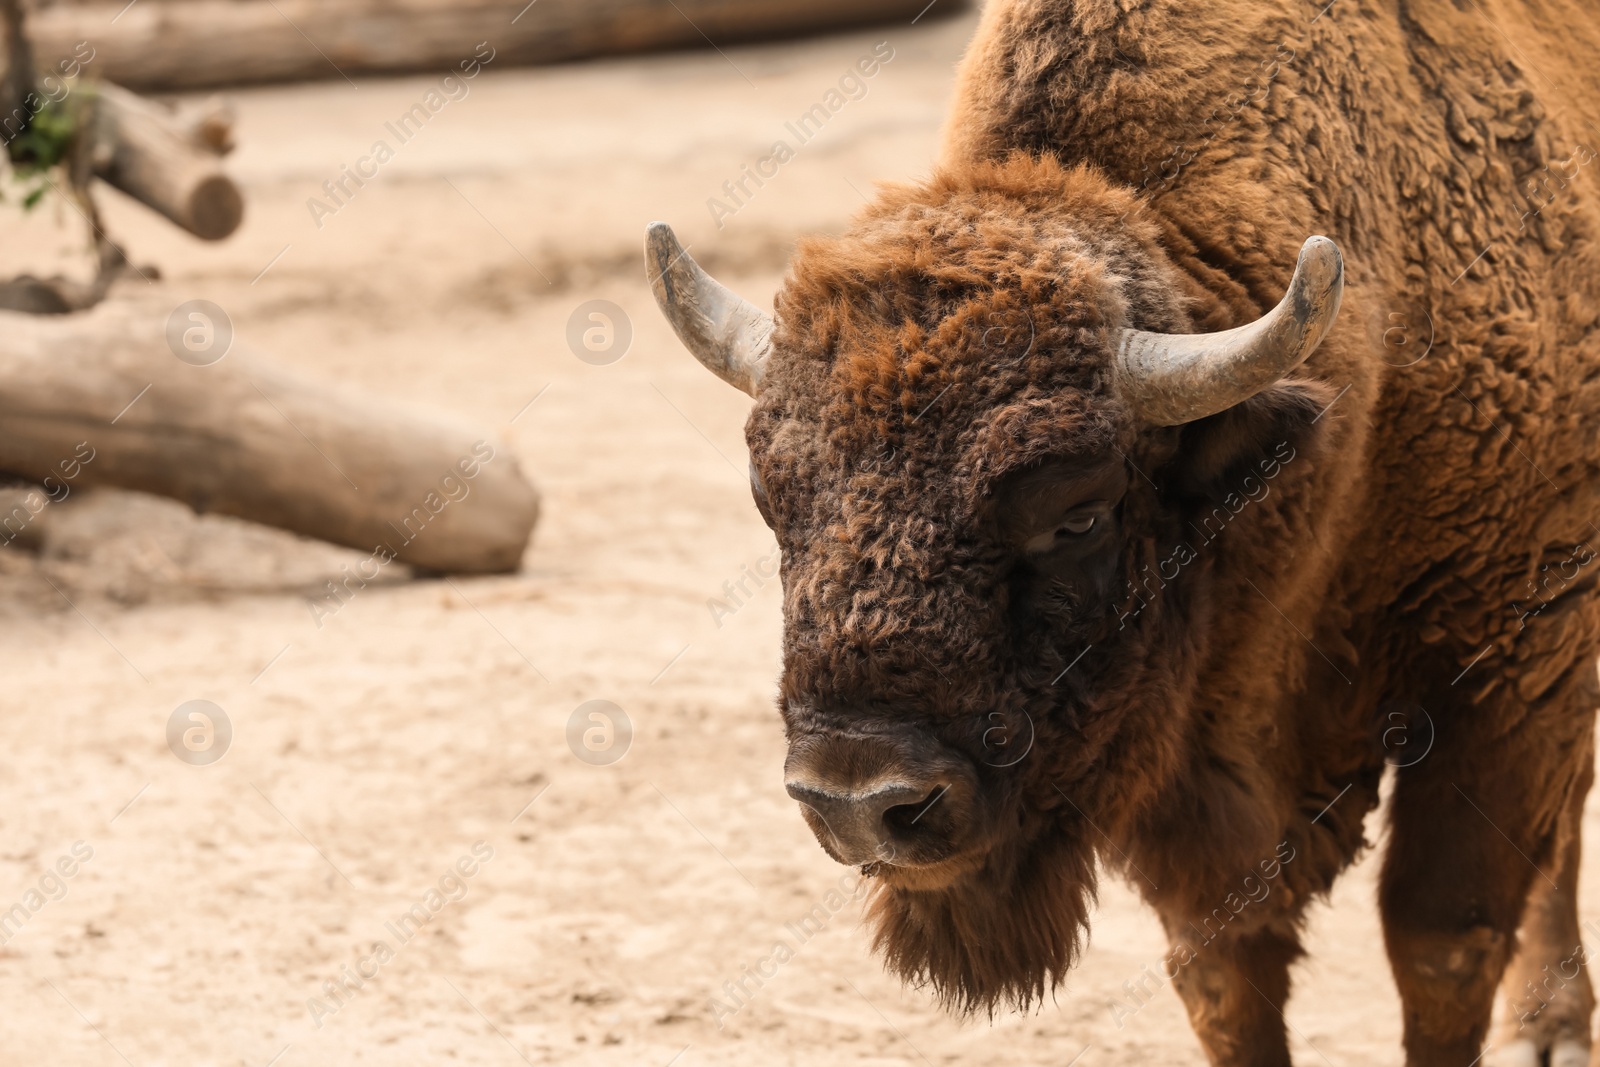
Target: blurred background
column 283, row 789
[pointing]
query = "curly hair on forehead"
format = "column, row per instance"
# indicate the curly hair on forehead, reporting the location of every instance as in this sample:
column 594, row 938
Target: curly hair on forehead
column 946, row 296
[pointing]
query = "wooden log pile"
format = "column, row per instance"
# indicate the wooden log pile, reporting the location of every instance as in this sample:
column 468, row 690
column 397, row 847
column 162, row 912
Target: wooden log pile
column 164, row 158
column 163, row 45
column 111, row 396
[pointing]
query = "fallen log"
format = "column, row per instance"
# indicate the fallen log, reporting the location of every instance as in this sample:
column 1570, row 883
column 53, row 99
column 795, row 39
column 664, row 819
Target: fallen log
column 101, row 399
column 170, row 162
column 157, row 45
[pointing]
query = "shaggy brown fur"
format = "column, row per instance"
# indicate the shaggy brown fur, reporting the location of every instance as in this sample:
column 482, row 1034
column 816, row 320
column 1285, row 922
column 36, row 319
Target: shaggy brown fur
column 1218, row 692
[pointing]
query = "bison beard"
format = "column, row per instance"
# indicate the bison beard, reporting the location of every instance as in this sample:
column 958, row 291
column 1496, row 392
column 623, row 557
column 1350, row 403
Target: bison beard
column 1002, row 936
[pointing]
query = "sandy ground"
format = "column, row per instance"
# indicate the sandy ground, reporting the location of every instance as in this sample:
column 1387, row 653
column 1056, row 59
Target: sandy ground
column 372, row 753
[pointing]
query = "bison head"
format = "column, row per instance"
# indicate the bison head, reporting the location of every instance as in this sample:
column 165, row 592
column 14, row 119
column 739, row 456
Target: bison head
column 980, row 429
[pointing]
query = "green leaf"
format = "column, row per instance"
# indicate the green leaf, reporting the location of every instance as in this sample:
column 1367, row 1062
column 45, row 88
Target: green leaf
column 47, row 138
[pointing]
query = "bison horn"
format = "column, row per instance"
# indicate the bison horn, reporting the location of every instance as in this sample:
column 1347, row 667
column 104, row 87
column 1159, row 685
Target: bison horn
column 727, row 333
column 1171, row 379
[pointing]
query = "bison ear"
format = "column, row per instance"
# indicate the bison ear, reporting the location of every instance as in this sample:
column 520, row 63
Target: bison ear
column 1216, row 454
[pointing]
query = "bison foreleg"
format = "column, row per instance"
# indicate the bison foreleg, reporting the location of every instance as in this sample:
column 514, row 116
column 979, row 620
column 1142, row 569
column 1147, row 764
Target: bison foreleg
column 1546, row 998
column 1234, row 988
column 1474, row 826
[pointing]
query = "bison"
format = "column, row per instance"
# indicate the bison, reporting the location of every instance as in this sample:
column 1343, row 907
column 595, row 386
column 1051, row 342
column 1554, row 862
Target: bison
column 1123, row 527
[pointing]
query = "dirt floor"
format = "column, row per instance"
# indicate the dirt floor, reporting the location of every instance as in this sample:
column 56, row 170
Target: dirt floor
column 373, row 752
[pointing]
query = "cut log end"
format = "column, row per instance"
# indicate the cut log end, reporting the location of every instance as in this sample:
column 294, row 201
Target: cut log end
column 215, row 208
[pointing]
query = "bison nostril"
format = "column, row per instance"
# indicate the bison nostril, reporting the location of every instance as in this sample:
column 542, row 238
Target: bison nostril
column 866, row 822
column 903, row 801
column 902, row 819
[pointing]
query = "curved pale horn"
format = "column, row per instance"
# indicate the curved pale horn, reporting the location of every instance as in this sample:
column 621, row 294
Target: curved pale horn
column 727, row 333
column 1170, row 379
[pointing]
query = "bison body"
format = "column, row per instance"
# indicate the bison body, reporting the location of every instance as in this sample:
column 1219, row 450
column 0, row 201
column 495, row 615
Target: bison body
column 1032, row 623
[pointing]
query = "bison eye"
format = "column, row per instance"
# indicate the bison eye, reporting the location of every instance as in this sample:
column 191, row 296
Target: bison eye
column 1078, row 529
column 1078, row 525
